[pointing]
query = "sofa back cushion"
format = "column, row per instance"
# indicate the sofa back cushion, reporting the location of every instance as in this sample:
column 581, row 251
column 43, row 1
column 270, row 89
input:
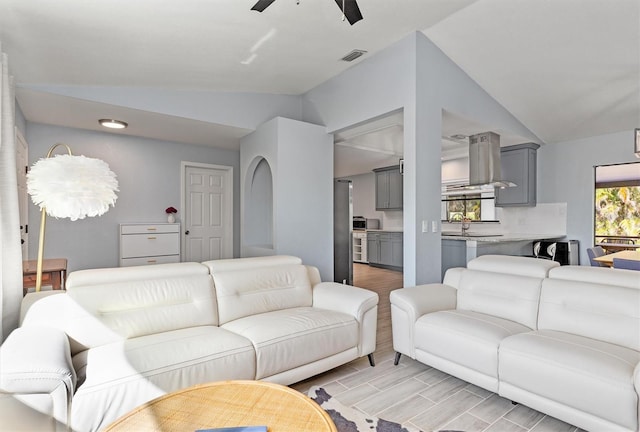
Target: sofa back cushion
column 253, row 290
column 601, row 275
column 138, row 301
column 506, row 296
column 515, row 265
column 600, row 311
column 250, row 263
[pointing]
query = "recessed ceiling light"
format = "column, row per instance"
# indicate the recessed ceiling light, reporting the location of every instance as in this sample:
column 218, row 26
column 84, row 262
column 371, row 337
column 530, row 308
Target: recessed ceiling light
column 113, row 124
column 459, row 136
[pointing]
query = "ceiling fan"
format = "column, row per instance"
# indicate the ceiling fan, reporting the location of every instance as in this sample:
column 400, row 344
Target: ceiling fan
column 349, row 8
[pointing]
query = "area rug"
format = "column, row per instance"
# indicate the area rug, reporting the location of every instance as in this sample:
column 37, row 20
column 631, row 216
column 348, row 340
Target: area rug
column 348, row 419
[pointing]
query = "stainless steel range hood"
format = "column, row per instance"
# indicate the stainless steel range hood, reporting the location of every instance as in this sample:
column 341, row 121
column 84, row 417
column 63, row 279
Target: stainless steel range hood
column 484, row 161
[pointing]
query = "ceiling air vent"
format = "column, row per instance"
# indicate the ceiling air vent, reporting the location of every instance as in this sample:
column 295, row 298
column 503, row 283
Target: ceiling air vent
column 353, row 55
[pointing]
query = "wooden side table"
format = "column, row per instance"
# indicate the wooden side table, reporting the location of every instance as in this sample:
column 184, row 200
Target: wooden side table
column 226, row 404
column 54, row 273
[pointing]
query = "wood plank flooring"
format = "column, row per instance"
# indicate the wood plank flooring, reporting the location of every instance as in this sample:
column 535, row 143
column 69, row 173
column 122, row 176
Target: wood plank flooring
column 415, row 394
column 381, row 281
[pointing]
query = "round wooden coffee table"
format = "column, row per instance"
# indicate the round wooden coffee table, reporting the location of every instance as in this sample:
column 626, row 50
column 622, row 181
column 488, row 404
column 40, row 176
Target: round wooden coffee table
column 226, row 404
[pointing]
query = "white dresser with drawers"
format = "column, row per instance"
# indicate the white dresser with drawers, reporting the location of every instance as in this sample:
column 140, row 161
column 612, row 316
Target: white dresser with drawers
column 149, row 243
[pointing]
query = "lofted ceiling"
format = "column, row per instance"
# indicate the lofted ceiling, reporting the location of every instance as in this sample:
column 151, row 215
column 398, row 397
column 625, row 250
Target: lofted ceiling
column 567, row 69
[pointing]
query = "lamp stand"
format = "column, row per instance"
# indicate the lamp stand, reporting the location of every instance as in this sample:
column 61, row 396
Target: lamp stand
column 43, row 222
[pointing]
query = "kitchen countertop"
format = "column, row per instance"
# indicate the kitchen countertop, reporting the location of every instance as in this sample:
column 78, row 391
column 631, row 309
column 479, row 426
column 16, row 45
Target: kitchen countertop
column 510, row 237
column 392, row 230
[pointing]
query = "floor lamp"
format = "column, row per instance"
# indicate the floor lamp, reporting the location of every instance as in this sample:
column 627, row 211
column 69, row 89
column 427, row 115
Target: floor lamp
column 68, row 186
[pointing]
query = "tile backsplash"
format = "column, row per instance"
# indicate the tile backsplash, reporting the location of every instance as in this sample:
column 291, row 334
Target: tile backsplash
column 545, row 218
column 392, row 220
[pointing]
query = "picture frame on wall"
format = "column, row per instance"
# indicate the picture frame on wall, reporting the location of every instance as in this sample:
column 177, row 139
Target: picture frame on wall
column 636, row 148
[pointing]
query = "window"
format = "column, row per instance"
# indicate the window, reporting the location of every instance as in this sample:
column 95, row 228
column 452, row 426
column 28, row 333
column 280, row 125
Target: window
column 617, row 206
column 458, row 202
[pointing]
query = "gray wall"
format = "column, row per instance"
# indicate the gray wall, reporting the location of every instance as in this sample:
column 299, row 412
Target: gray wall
column 416, row 76
column 301, row 159
column 148, row 173
column 566, row 174
column 21, row 122
column 364, row 196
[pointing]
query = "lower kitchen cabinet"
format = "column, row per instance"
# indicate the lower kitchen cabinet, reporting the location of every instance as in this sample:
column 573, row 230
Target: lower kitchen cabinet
column 385, row 249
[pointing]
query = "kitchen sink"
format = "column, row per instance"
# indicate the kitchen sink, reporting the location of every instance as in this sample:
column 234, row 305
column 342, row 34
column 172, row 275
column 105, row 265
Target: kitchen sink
column 469, row 234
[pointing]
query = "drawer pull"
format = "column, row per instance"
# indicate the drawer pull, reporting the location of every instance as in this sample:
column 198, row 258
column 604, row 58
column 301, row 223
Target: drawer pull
column 152, row 261
column 151, row 238
column 152, row 229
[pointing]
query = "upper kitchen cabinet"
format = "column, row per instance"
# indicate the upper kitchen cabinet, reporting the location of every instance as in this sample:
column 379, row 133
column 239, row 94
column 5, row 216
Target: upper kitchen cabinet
column 388, row 188
column 518, row 165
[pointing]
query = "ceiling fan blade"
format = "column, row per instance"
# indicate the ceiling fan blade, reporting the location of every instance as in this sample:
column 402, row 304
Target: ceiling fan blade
column 262, row 5
column 351, row 10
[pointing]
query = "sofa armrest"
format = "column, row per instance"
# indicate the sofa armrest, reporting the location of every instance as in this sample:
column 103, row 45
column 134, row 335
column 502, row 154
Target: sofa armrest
column 409, row 304
column 36, row 361
column 361, row 303
column 344, row 298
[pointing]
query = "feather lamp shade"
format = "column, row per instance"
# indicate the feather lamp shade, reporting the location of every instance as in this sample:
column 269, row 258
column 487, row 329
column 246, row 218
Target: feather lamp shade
column 72, row 187
column 68, row 186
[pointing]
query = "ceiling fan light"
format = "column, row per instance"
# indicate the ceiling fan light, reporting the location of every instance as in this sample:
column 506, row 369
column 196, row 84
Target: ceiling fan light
column 113, row 124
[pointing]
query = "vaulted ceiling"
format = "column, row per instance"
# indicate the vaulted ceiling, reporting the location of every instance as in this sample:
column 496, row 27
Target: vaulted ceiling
column 567, row 69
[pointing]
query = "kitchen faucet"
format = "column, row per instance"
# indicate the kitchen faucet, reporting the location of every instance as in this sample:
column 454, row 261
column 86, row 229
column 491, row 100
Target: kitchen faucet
column 465, row 225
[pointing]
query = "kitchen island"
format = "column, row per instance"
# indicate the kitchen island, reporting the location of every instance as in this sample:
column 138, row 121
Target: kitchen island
column 458, row 249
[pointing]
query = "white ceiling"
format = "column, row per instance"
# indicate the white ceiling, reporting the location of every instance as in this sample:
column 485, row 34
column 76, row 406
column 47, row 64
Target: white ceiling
column 567, row 69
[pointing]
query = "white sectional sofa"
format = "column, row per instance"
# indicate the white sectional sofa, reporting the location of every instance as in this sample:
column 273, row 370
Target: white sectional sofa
column 561, row 340
column 120, row 337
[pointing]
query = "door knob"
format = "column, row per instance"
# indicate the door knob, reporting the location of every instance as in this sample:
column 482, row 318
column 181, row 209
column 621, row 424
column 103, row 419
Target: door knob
column 186, row 232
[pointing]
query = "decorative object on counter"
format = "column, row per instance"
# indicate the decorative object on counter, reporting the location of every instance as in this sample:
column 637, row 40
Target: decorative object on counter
column 171, row 211
column 68, row 186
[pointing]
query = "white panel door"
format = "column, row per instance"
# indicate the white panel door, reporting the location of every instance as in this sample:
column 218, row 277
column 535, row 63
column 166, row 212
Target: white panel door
column 22, row 161
column 208, row 212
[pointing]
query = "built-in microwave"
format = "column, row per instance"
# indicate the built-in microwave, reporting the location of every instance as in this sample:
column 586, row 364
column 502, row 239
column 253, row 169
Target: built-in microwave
column 363, row 223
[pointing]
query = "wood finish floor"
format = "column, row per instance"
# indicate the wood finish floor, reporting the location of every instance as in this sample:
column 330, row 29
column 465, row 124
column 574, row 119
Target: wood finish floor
column 415, row 394
column 382, row 281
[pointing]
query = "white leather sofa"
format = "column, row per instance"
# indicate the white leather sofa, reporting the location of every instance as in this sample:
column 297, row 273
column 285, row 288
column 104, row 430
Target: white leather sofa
column 120, row 337
column 562, row 340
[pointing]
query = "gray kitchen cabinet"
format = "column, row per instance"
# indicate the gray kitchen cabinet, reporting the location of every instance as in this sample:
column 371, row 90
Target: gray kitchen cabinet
column 454, row 254
column 518, row 165
column 397, row 250
column 385, row 249
column 388, row 188
column 373, row 248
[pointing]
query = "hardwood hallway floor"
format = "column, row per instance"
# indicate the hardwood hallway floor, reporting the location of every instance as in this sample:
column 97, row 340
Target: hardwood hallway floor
column 381, row 281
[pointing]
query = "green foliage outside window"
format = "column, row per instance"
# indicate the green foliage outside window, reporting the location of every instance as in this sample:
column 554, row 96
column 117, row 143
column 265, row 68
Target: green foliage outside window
column 457, row 209
column 617, row 211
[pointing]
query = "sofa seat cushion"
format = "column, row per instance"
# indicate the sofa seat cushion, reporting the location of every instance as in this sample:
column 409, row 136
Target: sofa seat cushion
column 585, row 374
column 120, row 376
column 468, row 338
column 289, row 338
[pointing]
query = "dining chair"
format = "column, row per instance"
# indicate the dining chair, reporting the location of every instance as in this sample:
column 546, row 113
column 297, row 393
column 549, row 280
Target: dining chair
column 595, row 252
column 621, row 263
